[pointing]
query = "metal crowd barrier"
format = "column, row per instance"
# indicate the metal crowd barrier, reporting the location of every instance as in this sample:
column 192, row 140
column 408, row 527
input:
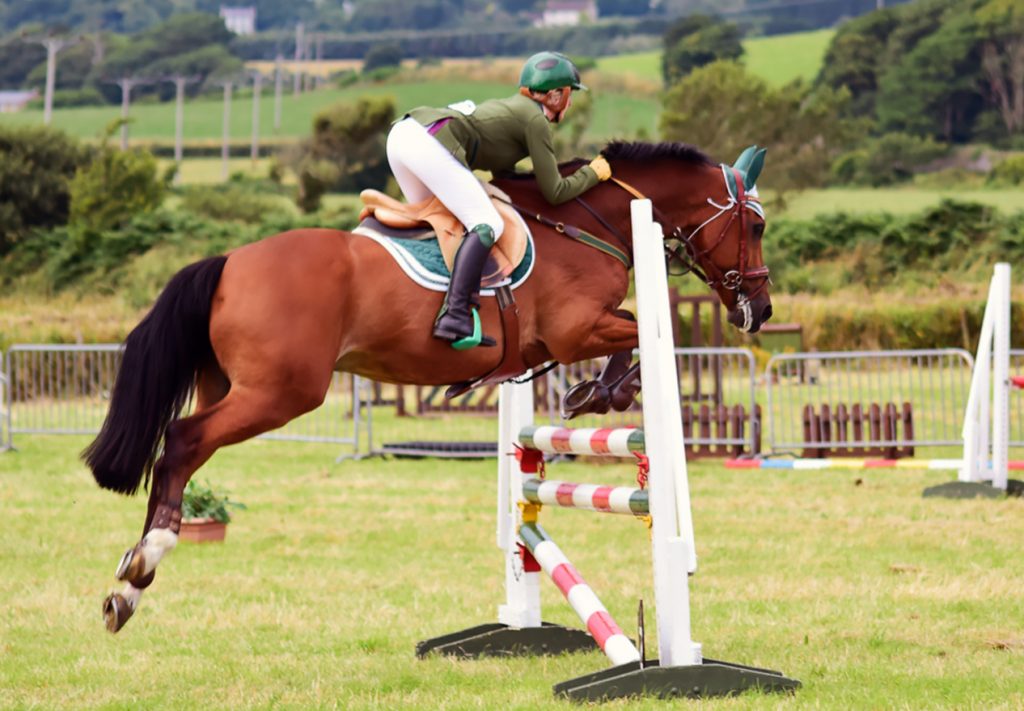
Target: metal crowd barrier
column 65, row 389
column 934, row 382
column 5, row 412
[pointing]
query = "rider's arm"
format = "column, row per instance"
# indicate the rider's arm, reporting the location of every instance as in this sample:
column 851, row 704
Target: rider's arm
column 555, row 188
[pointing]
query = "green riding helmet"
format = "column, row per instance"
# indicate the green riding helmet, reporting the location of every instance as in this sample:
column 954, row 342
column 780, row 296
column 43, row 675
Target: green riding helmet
column 545, row 71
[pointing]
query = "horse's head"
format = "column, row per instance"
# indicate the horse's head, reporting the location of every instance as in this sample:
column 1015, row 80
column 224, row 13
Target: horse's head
column 722, row 243
column 713, row 222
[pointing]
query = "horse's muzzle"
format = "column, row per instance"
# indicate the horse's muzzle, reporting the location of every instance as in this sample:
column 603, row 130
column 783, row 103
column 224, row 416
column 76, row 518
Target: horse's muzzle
column 748, row 316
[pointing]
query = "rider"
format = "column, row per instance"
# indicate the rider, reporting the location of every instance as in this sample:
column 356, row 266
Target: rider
column 434, row 152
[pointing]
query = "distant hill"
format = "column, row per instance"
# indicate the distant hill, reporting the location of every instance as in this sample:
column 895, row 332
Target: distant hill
column 779, row 59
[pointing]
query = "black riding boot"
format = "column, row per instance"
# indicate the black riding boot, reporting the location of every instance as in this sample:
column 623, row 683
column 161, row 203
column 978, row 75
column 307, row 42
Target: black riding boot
column 456, row 322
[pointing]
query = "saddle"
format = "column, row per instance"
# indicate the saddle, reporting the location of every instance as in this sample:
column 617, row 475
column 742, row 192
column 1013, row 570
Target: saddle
column 506, row 255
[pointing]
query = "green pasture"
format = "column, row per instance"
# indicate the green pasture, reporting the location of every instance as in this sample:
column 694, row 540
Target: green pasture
column 896, row 199
column 848, row 581
column 614, row 114
column 778, row 60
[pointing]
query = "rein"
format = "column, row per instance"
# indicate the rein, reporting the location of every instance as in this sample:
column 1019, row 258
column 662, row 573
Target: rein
column 581, row 236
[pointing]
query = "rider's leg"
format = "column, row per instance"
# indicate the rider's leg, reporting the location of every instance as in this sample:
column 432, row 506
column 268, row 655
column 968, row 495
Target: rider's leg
column 399, row 139
column 419, row 161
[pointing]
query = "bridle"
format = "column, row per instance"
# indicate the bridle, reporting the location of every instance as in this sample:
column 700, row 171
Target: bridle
column 687, row 253
column 697, row 260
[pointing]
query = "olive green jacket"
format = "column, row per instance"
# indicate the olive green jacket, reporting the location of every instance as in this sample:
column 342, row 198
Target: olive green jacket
column 499, row 133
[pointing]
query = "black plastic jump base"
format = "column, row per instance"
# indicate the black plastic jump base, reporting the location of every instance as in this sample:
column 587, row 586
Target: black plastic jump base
column 973, row 490
column 711, row 678
column 441, row 450
column 498, row 640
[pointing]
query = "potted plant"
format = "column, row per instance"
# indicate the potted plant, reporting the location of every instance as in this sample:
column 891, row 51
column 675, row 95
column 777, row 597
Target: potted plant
column 204, row 513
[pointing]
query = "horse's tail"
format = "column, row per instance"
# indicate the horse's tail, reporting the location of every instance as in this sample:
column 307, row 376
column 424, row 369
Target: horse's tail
column 158, row 370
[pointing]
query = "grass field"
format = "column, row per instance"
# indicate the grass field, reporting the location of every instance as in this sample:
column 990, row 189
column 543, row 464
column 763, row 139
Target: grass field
column 614, row 114
column 848, row 581
column 617, row 113
column 778, row 60
column 899, row 200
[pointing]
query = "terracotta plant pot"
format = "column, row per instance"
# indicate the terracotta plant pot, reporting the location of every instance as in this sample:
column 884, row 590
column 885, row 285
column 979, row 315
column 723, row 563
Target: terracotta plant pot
column 202, row 530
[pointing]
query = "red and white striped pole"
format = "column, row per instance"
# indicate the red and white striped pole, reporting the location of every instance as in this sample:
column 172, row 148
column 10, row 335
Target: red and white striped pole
column 608, row 635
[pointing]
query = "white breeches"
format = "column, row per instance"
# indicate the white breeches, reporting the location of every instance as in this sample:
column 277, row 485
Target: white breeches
column 423, row 167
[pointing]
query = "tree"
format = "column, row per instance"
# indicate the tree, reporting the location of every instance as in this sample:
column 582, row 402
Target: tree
column 723, row 109
column 36, row 167
column 115, row 186
column 1001, row 31
column 382, row 55
column 933, row 89
column 346, row 150
column 856, row 57
column 695, row 41
column 606, row 8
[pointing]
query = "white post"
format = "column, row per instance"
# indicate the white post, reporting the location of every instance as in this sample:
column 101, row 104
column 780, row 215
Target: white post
column 522, row 589
column 986, row 420
column 672, row 536
column 1001, row 377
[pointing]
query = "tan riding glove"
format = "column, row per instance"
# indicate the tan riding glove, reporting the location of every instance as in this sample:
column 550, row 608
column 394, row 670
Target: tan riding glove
column 601, row 167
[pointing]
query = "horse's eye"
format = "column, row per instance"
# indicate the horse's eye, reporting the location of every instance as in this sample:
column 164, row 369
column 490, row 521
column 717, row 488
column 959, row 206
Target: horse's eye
column 758, row 230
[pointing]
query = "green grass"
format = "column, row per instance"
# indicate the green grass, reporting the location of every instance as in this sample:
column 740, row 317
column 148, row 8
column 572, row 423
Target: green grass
column 778, row 60
column 614, row 114
column 783, row 58
column 900, row 200
column 848, row 581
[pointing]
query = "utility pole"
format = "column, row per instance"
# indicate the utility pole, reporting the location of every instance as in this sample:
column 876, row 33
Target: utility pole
column 278, row 87
column 226, row 133
column 53, row 46
column 127, row 84
column 300, row 45
column 257, row 89
column 179, row 120
column 321, row 75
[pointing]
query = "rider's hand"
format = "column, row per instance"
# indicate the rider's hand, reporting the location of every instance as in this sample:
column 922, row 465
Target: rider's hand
column 601, row 167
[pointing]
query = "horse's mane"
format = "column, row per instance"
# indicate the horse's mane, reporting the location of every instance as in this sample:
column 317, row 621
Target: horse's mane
column 640, row 151
column 631, row 151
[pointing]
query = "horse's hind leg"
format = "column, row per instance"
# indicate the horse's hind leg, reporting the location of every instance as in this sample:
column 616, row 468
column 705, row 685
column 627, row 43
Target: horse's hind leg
column 241, row 414
column 138, row 564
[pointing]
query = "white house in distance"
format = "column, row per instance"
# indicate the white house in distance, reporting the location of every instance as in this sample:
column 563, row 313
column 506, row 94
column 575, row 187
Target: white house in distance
column 240, row 20
column 14, row 101
column 561, row 13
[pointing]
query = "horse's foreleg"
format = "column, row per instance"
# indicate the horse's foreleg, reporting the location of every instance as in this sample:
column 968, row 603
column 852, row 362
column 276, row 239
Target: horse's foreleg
column 611, row 386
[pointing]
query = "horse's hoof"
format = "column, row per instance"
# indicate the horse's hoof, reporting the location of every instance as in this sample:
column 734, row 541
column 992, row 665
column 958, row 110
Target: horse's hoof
column 116, row 611
column 588, row 397
column 132, row 565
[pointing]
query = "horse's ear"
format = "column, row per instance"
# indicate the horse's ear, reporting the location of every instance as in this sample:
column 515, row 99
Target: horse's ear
column 743, row 162
column 754, row 169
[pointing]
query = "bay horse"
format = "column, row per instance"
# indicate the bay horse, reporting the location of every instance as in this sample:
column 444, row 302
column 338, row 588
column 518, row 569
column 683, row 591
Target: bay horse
column 256, row 334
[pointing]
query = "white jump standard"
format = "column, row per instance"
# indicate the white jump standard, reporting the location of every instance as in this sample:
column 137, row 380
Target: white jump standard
column 681, row 669
column 986, row 430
